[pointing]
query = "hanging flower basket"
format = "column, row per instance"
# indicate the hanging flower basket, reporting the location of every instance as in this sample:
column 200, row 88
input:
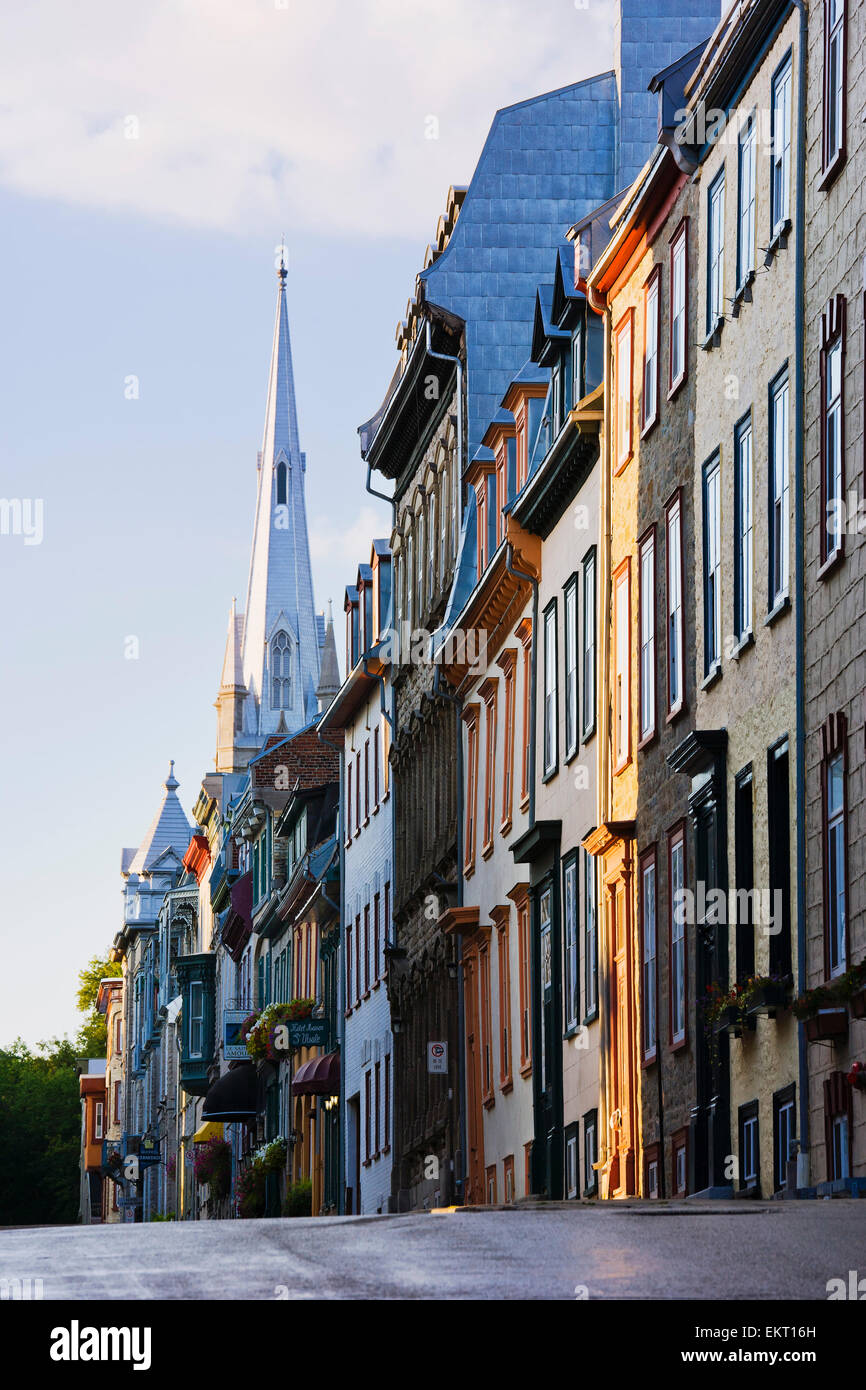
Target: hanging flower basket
column 250, row 1191
column 271, row 1157
column 265, row 1033
column 213, row 1164
column 857, row 1077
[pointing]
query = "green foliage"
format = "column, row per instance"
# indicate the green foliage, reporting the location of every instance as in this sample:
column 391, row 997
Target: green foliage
column 91, row 1040
column 40, row 1134
column 299, row 1199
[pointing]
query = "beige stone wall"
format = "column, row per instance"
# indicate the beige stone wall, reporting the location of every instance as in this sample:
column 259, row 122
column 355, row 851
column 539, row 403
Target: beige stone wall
column 754, row 696
column 835, row 605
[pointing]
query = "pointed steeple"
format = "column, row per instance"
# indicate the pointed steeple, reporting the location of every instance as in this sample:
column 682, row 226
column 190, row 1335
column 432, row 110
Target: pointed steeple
column 169, row 829
column 279, row 646
column 231, row 700
column 329, row 681
column 232, row 676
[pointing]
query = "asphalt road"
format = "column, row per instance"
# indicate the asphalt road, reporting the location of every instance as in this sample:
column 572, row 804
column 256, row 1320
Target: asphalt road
column 672, row 1250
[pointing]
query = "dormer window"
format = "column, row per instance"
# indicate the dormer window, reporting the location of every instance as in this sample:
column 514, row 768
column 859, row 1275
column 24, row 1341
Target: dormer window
column 281, row 671
column 281, row 484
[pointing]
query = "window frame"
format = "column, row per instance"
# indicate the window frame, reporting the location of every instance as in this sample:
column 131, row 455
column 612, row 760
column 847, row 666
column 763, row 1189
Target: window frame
column 747, row 208
column 571, row 943
column 833, row 160
column 623, row 405
column 679, row 238
column 678, row 1036
column 712, row 574
column 648, row 964
column 744, row 558
column 647, row 605
column 550, row 725
column 833, row 335
column 784, row 1102
column 571, row 625
column 652, row 290
column 674, row 508
column 779, row 547
column 834, row 736
column 590, row 936
column 783, row 75
column 715, row 283
column 620, row 579
column 589, row 648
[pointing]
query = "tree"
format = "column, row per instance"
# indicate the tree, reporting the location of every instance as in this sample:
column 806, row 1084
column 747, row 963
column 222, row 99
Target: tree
column 40, row 1133
column 91, row 1040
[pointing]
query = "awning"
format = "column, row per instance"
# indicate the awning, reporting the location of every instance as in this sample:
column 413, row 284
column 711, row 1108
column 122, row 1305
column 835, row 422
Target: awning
column 209, row 1130
column 319, row 1077
column 232, row 1099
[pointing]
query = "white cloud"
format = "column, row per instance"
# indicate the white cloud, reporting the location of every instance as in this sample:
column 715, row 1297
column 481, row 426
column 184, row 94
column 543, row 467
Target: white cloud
column 252, row 116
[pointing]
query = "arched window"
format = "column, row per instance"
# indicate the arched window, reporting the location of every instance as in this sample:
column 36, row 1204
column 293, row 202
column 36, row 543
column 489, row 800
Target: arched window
column 281, row 484
column 281, row 671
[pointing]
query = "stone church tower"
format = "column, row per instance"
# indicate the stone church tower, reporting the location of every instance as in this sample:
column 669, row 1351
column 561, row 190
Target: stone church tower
column 272, row 664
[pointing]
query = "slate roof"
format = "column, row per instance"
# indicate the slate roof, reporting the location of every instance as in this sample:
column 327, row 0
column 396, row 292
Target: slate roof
column 169, row 829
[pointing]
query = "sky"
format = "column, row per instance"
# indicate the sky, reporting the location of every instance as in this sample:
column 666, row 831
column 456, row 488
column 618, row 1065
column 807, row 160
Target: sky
column 152, row 159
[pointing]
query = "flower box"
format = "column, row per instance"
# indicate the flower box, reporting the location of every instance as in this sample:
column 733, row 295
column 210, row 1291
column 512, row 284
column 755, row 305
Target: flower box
column 858, row 1004
column 732, row 1020
column 826, row 1025
column 769, row 997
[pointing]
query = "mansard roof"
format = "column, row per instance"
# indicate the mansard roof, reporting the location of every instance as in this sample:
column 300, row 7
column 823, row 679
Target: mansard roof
column 169, row 830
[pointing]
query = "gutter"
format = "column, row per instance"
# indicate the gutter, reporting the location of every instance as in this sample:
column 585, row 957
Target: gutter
column 803, row 1156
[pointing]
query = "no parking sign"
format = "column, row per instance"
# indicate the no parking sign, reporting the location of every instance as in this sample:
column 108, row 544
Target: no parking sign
column 437, row 1058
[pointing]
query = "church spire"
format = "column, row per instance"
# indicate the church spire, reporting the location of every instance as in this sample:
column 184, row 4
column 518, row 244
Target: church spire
column 279, row 648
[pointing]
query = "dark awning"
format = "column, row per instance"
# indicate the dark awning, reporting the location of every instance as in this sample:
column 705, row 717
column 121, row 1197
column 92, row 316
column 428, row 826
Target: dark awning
column 319, row 1077
column 233, row 1097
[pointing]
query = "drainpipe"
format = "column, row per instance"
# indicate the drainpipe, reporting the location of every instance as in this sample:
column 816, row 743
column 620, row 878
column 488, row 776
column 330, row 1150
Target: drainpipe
column 456, row 701
column 533, row 665
column 800, row 580
column 340, row 909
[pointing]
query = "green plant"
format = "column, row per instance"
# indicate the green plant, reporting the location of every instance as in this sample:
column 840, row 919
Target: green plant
column 213, row 1164
column 831, row 996
column 250, row 1191
column 158, row 1216
column 299, row 1198
column 271, row 1157
column 260, row 1031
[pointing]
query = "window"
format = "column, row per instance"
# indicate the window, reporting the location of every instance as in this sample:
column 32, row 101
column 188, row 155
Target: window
column 525, row 633
column 835, row 87
column 376, row 778
column 623, row 359
column 712, row 567
column 648, row 955
column 780, row 116
column 508, row 1174
column 590, row 1151
column 348, row 799
column 716, row 251
column 743, row 528
column 744, row 867
column 358, row 793
column 590, row 936
column 470, row 717
column 431, row 547
column 366, row 949
column 387, row 1105
column 679, row 292
column 420, row 523
column 486, row 1023
column 550, row 691
column 508, row 661
column 118, row 1025
column 556, row 381
column 98, row 1120
column 366, row 781
column 647, row 607
column 571, row 693
column 490, row 1180
column 377, row 1107
column 837, row 1126
column 524, row 981
column 504, row 955
column 750, row 1151
column 652, row 1173
column 651, row 349
column 196, row 1013
column 572, row 964
column 673, row 528
column 572, row 1166
column 576, row 363
column 780, row 833
column 622, row 671
column 545, row 956
column 281, row 671
column 833, row 778
column 778, row 448
column 488, row 694
column 832, row 428
column 784, row 1135
column 676, row 885
column 368, row 1116
column 386, row 923
column 410, row 580
column 281, row 484
column 589, row 643
column 680, row 1162
column 746, row 191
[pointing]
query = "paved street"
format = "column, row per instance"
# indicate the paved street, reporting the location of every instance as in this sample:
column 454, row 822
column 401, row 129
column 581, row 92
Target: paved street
column 686, row 1250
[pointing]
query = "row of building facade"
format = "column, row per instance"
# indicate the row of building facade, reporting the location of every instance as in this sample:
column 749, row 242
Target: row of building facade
column 560, row 892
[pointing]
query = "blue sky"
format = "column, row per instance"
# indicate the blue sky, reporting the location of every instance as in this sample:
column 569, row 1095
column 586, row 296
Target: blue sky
column 154, row 257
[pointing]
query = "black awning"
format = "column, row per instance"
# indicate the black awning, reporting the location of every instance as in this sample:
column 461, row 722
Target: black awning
column 232, row 1099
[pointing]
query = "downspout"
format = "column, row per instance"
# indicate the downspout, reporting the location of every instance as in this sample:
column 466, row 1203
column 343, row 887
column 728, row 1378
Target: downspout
column 341, row 1010
column 800, row 581
column 456, row 701
column 600, row 305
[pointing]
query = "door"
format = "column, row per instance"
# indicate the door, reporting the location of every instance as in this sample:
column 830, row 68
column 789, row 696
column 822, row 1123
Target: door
column 353, row 1155
column 474, row 1114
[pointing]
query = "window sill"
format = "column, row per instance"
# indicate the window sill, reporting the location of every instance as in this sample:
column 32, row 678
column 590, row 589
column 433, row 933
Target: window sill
column 526, row 1069
column 649, row 426
column 713, row 675
column 623, row 464
column 589, row 733
column 778, row 241
column 365, row 995
column 833, row 170
column 675, row 386
column 831, row 563
column 386, row 1149
column 747, row 640
column 621, row 766
column 674, row 714
column 569, row 758
column 782, row 605
column 505, row 827
column 571, row 1031
column 469, row 869
column 549, row 776
column 376, row 985
column 488, row 1102
column 680, row 1046
column 650, row 1061
column 376, row 809
column 591, row 1018
column 743, row 295
column 714, row 337
column 647, row 740
column 487, row 849
column 506, row 1085
column 524, row 802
